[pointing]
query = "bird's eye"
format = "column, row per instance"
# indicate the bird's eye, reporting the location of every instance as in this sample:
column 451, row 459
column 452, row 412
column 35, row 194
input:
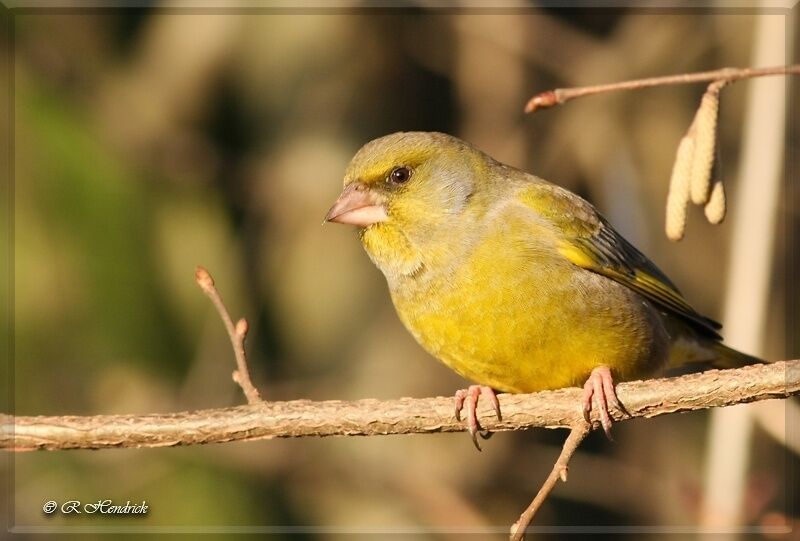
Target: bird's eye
column 400, row 175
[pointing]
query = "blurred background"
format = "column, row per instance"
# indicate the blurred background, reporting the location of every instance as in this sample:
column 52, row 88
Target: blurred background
column 149, row 141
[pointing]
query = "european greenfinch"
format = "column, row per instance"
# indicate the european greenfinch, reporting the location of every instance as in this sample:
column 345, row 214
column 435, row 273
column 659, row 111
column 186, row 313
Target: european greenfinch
column 515, row 283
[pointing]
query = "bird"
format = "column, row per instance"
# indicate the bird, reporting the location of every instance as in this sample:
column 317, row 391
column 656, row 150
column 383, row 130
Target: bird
column 515, row 283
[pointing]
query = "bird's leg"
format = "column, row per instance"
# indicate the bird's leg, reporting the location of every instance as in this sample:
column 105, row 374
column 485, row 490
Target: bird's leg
column 469, row 397
column 599, row 390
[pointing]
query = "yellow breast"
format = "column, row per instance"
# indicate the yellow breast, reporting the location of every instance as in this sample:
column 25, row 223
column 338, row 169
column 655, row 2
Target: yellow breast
column 518, row 317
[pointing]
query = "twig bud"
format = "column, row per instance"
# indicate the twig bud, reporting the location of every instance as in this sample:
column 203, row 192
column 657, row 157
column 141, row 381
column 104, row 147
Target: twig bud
column 542, row 101
column 203, row 278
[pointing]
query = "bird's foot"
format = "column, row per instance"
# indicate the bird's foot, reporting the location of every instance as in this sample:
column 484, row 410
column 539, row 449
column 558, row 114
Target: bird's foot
column 598, row 391
column 469, row 397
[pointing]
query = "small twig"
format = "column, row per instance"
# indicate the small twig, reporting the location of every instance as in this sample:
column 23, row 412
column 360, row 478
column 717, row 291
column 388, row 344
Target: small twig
column 577, row 433
column 563, row 95
column 237, row 334
column 694, row 161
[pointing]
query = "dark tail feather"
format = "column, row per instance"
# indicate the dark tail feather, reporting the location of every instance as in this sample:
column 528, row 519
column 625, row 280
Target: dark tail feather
column 730, row 358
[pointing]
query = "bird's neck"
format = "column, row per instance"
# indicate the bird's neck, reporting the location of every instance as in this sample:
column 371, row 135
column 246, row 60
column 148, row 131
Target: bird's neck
column 416, row 263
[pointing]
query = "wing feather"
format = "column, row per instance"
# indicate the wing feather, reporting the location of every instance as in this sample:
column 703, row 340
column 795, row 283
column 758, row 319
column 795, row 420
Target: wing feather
column 588, row 241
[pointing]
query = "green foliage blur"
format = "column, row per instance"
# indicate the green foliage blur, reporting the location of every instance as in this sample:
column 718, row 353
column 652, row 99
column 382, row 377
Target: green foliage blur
column 149, row 141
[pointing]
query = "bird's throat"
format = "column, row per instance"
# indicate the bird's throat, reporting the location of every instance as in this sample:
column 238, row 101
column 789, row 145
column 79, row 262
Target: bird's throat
column 392, row 251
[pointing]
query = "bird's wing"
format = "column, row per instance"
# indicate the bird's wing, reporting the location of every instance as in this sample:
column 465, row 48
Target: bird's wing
column 586, row 239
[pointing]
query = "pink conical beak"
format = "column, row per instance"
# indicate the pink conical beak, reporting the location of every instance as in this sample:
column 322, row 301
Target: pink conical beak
column 357, row 205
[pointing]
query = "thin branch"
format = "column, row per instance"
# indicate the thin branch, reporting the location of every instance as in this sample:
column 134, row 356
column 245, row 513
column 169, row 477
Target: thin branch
column 562, row 95
column 299, row 418
column 559, row 471
column 237, row 334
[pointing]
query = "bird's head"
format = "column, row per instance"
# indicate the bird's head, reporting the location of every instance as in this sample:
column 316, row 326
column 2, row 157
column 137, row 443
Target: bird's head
column 406, row 191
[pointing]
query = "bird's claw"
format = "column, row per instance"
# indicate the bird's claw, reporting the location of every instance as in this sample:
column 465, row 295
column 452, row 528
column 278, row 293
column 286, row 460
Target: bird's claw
column 469, row 398
column 599, row 391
